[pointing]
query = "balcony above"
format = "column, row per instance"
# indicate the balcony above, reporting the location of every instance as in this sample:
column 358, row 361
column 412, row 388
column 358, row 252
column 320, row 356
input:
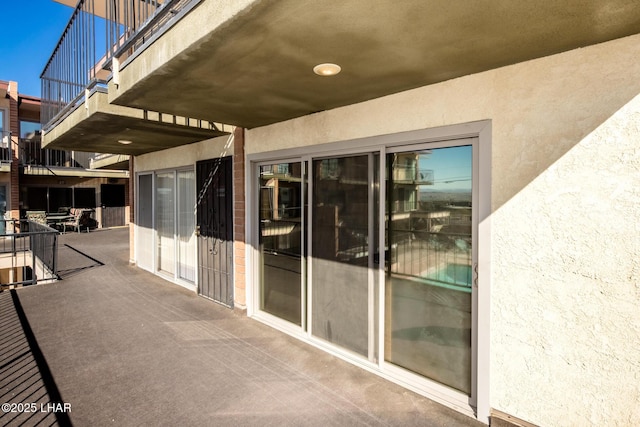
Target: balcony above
column 96, row 125
column 250, row 63
column 110, row 161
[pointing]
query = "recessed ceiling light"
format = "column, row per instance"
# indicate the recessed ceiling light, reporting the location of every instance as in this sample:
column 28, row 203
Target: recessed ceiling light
column 327, row 69
column 125, row 141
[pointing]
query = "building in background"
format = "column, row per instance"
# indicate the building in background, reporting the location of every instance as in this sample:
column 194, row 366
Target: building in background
column 449, row 203
column 33, row 178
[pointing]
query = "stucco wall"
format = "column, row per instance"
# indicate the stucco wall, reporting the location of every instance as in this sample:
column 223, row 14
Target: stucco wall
column 186, row 155
column 565, row 259
column 194, row 26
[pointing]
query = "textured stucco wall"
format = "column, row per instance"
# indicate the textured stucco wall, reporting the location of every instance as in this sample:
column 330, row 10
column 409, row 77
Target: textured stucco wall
column 193, row 27
column 565, row 185
column 185, row 155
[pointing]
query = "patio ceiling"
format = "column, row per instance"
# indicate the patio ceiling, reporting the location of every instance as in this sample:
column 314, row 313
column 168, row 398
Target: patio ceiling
column 256, row 69
column 101, row 127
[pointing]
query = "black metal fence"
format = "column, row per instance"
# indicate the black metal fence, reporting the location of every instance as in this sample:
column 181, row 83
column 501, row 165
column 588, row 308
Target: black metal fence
column 75, row 61
column 28, row 253
column 97, row 32
column 32, row 154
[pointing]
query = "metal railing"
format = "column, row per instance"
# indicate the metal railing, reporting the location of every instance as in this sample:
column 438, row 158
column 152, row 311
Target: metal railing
column 134, row 22
column 97, row 32
column 440, row 257
column 412, row 174
column 75, row 62
column 28, row 253
column 6, row 155
column 32, row 154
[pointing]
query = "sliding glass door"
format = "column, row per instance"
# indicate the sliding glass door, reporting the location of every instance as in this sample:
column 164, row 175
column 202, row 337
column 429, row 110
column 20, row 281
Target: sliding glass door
column 340, row 242
column 165, row 222
column 428, row 288
column 386, row 242
column 165, row 229
column 186, row 180
column 281, row 240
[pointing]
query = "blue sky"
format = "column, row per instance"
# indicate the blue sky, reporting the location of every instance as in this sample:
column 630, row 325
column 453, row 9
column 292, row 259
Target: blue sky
column 30, row 31
column 452, row 168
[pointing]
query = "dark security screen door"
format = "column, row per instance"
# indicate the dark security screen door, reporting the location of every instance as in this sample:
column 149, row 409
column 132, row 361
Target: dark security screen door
column 215, row 229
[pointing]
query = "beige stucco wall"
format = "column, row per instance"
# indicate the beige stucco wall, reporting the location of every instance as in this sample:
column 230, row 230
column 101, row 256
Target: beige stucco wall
column 193, row 27
column 565, row 185
column 186, row 155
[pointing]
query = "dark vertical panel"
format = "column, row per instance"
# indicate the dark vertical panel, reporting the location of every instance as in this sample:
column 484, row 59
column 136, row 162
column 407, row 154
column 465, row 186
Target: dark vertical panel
column 215, row 221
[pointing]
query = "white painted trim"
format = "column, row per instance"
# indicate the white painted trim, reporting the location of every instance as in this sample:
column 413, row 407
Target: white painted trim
column 483, row 404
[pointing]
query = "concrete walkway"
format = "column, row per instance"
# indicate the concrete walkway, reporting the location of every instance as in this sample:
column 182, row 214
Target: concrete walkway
column 124, row 347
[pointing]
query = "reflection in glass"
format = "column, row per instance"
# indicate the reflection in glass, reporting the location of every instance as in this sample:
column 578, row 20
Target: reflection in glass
column 340, row 246
column 186, row 225
column 428, row 271
column 165, row 219
column 144, row 244
column 280, row 204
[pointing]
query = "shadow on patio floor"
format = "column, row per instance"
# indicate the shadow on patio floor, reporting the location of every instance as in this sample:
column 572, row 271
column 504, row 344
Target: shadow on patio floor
column 28, row 393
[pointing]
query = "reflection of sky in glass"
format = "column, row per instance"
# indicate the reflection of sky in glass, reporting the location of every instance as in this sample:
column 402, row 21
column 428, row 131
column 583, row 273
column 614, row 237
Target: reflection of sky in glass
column 451, row 168
column 28, row 127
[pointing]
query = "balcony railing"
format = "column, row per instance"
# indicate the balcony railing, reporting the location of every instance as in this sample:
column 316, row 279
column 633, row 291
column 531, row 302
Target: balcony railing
column 28, row 253
column 97, row 32
column 73, row 64
column 134, row 22
column 32, row 154
column 5, row 147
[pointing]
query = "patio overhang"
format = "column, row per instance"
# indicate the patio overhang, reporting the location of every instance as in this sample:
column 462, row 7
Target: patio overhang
column 96, row 126
column 111, row 161
column 253, row 66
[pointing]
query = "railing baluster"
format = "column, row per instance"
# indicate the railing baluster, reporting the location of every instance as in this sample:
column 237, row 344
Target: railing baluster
column 76, row 61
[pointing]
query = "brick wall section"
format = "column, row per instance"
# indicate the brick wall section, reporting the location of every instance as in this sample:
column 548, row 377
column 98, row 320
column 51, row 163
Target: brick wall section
column 14, row 127
column 238, row 220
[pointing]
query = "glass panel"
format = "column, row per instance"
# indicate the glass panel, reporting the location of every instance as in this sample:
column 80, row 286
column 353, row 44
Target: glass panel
column 34, row 198
column 280, row 204
column 340, row 251
column 428, row 271
column 144, row 245
column 84, row 197
column 60, row 198
column 186, row 225
column 3, row 208
column 165, row 198
column 28, row 129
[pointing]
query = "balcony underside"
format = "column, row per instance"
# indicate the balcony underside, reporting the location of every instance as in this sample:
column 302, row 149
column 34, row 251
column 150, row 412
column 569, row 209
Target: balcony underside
column 113, row 161
column 256, row 67
column 73, row 172
column 98, row 126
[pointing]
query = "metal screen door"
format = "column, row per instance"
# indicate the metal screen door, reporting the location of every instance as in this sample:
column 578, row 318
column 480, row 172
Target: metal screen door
column 215, row 229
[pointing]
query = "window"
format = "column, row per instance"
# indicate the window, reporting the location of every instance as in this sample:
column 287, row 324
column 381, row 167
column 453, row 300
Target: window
column 29, row 129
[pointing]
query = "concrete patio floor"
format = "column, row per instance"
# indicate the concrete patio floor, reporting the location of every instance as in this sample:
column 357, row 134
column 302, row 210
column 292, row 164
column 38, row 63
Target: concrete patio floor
column 124, row 347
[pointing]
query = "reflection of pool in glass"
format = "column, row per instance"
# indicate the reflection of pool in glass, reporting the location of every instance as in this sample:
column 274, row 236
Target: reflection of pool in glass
column 453, row 276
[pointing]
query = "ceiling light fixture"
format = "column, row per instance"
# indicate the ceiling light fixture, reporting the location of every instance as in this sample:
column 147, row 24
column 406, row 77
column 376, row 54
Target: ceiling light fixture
column 327, row 69
column 125, row 141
